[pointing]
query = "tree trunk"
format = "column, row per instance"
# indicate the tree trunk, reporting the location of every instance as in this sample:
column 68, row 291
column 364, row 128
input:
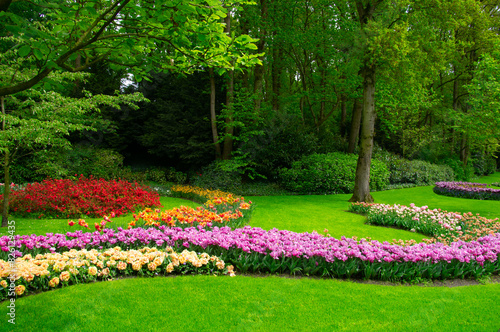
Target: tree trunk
column 259, row 70
column 464, row 150
column 6, row 165
column 362, row 180
column 6, row 192
column 228, row 138
column 357, row 110
column 276, row 74
column 257, row 86
column 343, row 115
column 455, row 109
column 213, row 117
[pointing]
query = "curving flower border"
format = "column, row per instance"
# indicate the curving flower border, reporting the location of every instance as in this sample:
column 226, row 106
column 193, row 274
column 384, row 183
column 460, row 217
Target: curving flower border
column 256, row 250
column 252, row 249
column 51, row 270
column 467, row 190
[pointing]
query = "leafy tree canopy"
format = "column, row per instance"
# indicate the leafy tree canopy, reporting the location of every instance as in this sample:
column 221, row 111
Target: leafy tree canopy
column 142, row 36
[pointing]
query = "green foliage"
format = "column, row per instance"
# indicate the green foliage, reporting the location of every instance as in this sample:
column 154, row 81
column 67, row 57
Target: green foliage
column 21, row 171
column 483, row 164
column 330, row 173
column 482, row 119
column 417, row 172
column 142, row 38
column 246, row 121
column 85, row 160
column 174, row 128
column 283, row 141
column 164, row 176
column 223, row 175
column 462, row 173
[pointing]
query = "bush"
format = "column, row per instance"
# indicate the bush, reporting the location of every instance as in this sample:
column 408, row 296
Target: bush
column 85, row 196
column 461, row 173
column 413, row 172
column 419, row 172
column 282, row 141
column 220, row 174
column 84, row 160
column 483, row 164
column 330, row 173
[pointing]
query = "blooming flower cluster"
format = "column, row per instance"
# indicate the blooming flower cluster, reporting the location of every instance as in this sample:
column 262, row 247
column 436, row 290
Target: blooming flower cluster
column 185, row 216
column 467, row 190
column 255, row 249
column 219, row 208
column 443, row 226
column 200, row 195
column 85, row 196
column 50, row 270
column 99, row 227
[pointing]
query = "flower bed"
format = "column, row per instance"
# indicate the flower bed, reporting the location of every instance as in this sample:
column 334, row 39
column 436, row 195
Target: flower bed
column 257, row 250
column 52, row 270
column 221, row 209
column 189, row 217
column 463, row 246
column 467, row 190
column 85, row 196
column 443, row 226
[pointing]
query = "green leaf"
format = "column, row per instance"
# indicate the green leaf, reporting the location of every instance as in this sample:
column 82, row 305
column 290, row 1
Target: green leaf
column 38, row 54
column 24, row 51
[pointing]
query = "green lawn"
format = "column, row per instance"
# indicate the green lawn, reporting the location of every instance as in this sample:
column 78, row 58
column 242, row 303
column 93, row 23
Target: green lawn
column 42, row 226
column 244, row 303
column 201, row 303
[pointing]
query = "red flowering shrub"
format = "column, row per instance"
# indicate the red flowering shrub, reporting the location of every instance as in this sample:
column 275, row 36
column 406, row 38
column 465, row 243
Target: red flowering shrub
column 86, row 196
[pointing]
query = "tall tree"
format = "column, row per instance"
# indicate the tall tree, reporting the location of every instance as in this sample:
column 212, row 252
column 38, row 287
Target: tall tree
column 141, row 36
column 174, row 36
column 391, row 33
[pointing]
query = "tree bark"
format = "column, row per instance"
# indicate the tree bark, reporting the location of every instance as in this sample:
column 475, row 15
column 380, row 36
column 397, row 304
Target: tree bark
column 259, row 70
column 6, row 192
column 6, row 165
column 276, row 74
column 464, row 150
column 213, row 117
column 228, row 138
column 343, row 115
column 362, row 180
column 357, row 110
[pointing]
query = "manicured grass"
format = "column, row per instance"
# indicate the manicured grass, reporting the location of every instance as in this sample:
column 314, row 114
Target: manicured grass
column 25, row 226
column 316, row 212
column 201, row 303
column 194, row 303
column 490, row 178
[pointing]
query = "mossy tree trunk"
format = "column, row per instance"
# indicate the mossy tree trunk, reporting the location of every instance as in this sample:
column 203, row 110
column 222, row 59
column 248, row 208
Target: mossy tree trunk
column 362, row 180
column 357, row 111
column 6, row 165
